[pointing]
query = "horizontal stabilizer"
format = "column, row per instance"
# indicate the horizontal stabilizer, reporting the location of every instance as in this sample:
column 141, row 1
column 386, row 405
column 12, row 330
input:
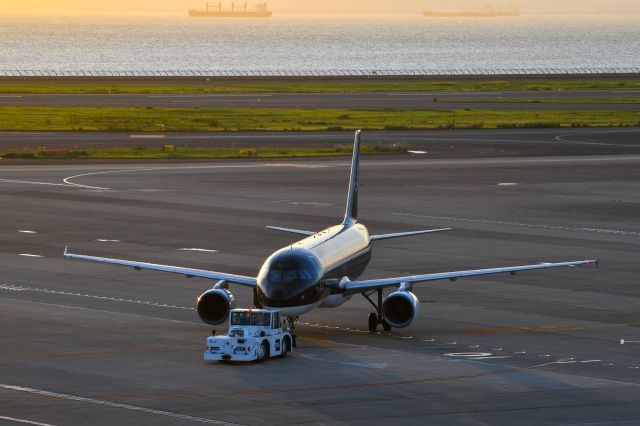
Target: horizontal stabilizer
column 292, row 231
column 406, row 234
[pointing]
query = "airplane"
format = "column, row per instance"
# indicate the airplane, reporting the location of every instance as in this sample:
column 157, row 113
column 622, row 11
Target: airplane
column 322, row 271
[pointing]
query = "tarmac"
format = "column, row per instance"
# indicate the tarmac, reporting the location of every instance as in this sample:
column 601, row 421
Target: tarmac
column 85, row 343
column 436, row 143
column 485, row 100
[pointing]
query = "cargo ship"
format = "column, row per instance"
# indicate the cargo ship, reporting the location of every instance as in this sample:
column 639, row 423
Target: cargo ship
column 260, row 11
column 487, row 12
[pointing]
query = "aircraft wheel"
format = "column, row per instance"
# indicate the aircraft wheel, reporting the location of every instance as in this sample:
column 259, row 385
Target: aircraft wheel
column 386, row 326
column 373, row 322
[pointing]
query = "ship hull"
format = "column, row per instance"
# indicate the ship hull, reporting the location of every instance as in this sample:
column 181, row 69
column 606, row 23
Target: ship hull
column 467, row 14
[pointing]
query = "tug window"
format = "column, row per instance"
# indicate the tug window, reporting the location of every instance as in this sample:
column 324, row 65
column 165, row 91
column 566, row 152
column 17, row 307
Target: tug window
column 260, row 319
column 240, row 318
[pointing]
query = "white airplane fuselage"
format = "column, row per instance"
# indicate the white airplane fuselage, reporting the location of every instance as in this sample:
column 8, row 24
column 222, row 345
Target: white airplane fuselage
column 294, row 279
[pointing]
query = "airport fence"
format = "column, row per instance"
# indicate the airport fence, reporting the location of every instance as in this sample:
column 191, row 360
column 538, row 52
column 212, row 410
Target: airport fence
column 436, row 73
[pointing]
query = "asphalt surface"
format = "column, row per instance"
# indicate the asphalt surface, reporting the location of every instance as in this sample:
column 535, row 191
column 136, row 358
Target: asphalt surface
column 395, row 100
column 436, row 143
column 89, row 343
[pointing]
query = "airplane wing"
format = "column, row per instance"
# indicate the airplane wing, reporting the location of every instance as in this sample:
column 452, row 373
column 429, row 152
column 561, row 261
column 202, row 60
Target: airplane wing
column 405, row 234
column 292, row 231
column 236, row 279
column 352, row 287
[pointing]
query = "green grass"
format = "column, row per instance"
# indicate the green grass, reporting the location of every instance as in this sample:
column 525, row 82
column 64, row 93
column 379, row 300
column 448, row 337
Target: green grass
column 309, row 86
column 200, row 153
column 247, row 119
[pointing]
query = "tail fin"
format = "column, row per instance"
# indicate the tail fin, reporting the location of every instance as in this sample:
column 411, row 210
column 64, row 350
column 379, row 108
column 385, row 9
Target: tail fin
column 351, row 214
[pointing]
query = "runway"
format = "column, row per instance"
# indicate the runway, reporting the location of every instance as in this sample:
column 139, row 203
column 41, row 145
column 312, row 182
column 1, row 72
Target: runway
column 491, row 100
column 86, row 341
column 436, row 143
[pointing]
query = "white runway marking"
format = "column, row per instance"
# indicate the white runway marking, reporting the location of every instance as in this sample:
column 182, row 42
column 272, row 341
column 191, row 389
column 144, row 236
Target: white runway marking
column 93, row 296
column 29, row 255
column 524, row 225
column 29, row 182
column 147, row 136
column 561, row 138
column 67, row 180
column 491, row 357
column 25, row 231
column 102, row 240
column 11, row 287
column 468, row 354
column 507, row 184
column 198, row 249
column 102, row 311
column 112, row 404
column 13, row 419
column 312, row 357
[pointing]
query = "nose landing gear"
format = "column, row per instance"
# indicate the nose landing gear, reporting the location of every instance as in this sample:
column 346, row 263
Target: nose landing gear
column 291, row 324
column 376, row 318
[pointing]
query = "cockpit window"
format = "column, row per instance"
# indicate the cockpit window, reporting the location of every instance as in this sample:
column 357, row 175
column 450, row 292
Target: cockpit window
column 291, row 270
column 290, row 274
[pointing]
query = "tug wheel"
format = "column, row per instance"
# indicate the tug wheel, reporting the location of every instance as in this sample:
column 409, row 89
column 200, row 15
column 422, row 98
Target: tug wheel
column 263, row 352
column 286, row 347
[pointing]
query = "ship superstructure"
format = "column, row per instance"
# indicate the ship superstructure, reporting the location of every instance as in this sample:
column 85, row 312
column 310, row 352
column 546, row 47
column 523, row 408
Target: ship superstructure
column 216, row 11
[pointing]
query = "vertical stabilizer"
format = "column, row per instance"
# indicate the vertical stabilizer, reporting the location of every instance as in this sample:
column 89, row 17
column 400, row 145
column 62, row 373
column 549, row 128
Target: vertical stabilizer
column 351, row 214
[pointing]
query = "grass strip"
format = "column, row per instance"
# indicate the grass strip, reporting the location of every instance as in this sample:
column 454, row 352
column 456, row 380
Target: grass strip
column 309, row 86
column 267, row 119
column 170, row 151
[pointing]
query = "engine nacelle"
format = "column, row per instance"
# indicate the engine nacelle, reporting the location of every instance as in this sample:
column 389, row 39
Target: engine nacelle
column 214, row 305
column 400, row 308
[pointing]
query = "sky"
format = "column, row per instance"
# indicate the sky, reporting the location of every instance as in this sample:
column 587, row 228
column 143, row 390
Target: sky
column 367, row 7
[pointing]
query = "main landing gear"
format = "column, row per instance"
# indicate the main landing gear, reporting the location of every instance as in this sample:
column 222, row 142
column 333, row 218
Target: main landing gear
column 376, row 318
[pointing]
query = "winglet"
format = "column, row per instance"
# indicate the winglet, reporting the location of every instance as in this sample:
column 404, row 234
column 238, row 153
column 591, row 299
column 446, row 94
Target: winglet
column 351, row 213
column 66, row 250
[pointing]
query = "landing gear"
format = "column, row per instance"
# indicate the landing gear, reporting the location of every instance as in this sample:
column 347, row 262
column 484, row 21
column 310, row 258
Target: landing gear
column 376, row 318
column 373, row 321
column 291, row 323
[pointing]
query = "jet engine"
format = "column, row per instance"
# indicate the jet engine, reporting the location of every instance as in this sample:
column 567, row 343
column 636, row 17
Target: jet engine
column 400, row 308
column 214, row 305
